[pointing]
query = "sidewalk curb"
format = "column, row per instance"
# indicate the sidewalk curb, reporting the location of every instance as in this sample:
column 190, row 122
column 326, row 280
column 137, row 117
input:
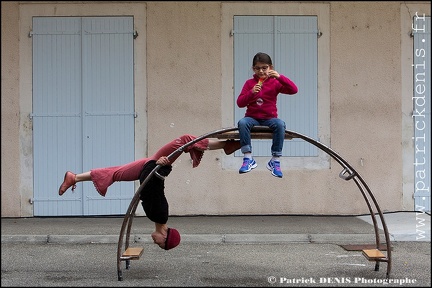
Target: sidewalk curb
column 196, row 238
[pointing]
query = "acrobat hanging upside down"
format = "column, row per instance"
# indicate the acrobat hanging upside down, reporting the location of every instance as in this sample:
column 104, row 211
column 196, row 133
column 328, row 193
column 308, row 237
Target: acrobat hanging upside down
column 152, row 195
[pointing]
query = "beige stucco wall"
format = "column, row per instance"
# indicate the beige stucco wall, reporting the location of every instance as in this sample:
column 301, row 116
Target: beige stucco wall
column 183, row 71
column 10, row 111
column 366, row 97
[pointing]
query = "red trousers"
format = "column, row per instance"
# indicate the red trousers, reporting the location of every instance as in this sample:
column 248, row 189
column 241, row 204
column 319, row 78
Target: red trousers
column 103, row 177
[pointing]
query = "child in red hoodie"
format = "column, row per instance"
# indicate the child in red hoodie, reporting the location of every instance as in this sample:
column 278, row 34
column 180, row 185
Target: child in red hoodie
column 259, row 96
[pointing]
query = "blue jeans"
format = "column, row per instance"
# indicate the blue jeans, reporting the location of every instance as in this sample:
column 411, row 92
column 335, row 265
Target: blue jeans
column 277, row 125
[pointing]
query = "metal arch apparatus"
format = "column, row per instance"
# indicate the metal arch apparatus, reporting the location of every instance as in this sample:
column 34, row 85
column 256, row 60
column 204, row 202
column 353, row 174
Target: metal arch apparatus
column 347, row 173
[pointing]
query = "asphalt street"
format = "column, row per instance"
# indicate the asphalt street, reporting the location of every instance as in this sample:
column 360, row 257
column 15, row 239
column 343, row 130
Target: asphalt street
column 217, row 265
column 232, row 251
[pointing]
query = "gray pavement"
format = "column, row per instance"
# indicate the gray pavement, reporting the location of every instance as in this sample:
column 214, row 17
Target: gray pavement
column 260, row 251
column 208, row 264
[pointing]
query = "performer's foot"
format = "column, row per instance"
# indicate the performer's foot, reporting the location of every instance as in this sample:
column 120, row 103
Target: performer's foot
column 69, row 180
column 231, row 146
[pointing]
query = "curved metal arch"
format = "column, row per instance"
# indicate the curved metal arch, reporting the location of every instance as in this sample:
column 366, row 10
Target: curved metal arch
column 347, row 174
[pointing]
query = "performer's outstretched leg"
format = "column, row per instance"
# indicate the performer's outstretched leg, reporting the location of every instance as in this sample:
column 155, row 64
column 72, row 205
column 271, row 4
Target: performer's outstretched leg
column 103, row 177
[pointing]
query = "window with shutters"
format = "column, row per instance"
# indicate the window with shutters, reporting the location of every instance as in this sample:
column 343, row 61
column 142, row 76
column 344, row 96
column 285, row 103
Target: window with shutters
column 291, row 42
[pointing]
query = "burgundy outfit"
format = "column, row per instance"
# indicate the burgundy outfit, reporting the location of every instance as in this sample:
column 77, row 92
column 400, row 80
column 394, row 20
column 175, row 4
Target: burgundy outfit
column 103, row 177
column 265, row 108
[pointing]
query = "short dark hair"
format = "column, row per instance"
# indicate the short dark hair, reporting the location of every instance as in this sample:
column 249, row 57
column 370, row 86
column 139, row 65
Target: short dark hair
column 263, row 58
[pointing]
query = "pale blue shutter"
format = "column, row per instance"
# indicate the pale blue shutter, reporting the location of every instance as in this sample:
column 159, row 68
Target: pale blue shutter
column 57, row 101
column 108, row 107
column 83, row 113
column 291, row 41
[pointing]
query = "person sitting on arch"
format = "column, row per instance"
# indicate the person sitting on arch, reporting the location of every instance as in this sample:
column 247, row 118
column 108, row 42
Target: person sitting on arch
column 153, row 198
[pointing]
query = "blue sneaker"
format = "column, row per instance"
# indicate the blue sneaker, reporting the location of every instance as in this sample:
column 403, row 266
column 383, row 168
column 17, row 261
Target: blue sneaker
column 248, row 165
column 274, row 167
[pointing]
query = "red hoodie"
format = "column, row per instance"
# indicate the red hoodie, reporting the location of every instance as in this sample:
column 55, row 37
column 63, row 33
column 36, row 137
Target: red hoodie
column 262, row 105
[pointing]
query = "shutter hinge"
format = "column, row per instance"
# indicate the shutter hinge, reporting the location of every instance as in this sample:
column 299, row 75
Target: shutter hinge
column 135, row 34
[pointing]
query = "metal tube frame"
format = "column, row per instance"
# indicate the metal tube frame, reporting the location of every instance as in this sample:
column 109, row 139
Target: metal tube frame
column 347, row 174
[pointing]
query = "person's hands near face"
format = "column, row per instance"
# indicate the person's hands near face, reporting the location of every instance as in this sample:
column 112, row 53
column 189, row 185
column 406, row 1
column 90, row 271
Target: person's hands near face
column 273, row 74
column 257, row 88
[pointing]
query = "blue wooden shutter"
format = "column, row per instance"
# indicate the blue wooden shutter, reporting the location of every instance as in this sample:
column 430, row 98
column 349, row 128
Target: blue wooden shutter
column 108, row 107
column 83, row 113
column 56, row 115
